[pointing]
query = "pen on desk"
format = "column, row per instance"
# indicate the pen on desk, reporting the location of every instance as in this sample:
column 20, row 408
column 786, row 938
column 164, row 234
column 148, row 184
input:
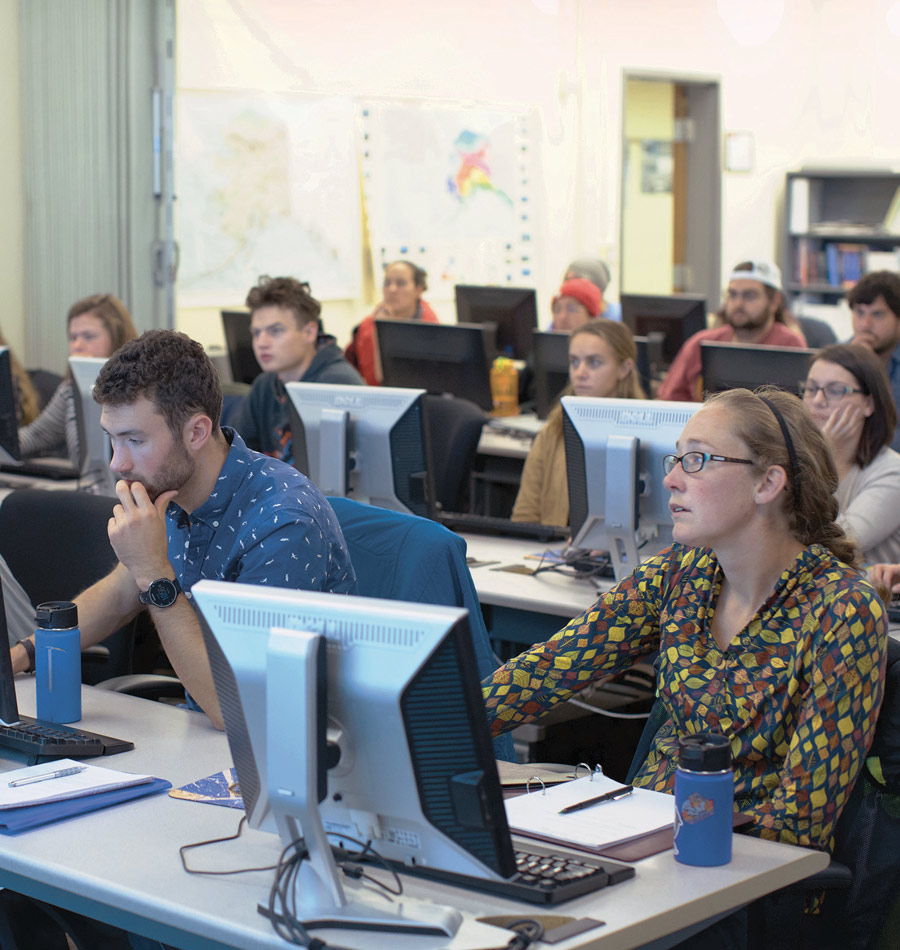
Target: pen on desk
column 607, row 797
column 46, row 776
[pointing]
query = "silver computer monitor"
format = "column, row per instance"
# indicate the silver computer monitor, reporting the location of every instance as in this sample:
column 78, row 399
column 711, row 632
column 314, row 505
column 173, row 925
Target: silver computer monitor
column 94, row 449
column 336, row 731
column 614, row 464
column 363, row 442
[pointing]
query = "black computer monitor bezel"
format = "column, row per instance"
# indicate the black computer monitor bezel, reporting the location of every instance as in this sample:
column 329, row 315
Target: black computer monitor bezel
column 440, row 358
column 512, row 309
column 749, row 366
column 677, row 316
column 239, row 343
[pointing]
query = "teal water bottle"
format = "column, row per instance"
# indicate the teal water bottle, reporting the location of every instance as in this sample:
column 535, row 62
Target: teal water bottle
column 57, row 662
column 704, row 800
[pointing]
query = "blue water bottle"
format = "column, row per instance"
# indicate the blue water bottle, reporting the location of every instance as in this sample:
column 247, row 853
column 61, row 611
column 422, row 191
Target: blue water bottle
column 704, row 800
column 57, row 661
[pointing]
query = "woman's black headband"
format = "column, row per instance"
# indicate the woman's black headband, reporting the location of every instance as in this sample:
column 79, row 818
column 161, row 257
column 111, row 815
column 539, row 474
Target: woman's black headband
column 789, row 443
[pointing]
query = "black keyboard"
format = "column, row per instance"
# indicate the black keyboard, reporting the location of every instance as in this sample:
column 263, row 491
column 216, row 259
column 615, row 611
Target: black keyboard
column 485, row 524
column 50, row 740
column 53, row 468
column 893, row 610
column 543, row 877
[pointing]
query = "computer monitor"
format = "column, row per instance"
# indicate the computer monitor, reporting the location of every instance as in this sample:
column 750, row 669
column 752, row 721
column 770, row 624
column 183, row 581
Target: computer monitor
column 396, row 752
column 9, row 420
column 550, row 360
column 438, row 357
column 747, row 366
column 363, row 442
column 94, row 449
column 239, row 342
column 677, row 317
column 614, row 464
column 512, row 309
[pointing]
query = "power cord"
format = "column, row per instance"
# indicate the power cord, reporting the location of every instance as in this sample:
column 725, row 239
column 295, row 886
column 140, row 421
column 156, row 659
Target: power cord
column 183, row 850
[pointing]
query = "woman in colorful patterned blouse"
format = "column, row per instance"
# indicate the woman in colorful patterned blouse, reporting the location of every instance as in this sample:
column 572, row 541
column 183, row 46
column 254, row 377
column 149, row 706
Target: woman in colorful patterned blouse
column 766, row 630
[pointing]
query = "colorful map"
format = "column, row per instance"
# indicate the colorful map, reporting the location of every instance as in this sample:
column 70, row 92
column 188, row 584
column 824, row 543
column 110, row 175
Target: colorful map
column 474, row 169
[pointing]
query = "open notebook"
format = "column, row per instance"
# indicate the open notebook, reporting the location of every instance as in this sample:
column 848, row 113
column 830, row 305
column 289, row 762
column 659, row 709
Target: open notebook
column 598, row 828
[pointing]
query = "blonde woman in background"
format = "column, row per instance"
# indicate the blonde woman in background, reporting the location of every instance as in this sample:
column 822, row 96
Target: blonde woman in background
column 602, row 362
column 97, row 326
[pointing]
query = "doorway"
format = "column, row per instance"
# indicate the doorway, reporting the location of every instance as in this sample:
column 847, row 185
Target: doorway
column 671, row 187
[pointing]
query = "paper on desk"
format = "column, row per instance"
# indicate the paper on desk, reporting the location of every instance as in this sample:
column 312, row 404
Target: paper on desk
column 92, row 780
column 643, row 812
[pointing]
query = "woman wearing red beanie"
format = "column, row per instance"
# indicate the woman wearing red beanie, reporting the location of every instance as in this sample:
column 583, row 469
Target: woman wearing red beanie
column 577, row 302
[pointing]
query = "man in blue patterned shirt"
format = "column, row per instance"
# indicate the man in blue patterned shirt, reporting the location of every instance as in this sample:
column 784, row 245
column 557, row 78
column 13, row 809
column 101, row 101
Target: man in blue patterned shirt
column 195, row 502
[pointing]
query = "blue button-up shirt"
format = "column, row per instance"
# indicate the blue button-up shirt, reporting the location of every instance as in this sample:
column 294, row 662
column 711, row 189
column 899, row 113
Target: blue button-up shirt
column 264, row 523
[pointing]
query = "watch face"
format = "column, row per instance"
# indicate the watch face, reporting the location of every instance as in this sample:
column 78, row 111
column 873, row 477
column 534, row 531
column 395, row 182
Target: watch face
column 162, row 593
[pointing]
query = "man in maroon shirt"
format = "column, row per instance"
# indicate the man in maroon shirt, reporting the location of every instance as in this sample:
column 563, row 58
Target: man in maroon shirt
column 753, row 313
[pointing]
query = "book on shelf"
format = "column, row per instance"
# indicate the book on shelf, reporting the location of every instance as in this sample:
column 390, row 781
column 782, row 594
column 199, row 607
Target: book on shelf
column 844, row 263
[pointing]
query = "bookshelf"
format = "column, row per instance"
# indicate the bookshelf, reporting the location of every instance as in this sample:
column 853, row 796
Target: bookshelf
column 841, row 224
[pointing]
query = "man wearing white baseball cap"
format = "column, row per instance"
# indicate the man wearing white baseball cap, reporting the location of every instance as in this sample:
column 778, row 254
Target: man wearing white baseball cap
column 753, row 312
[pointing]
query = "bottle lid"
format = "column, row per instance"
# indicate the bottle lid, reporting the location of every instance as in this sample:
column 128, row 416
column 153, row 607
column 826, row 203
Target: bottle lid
column 704, row 752
column 56, row 615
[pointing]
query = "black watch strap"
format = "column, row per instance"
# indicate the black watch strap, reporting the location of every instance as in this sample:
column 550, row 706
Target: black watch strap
column 163, row 592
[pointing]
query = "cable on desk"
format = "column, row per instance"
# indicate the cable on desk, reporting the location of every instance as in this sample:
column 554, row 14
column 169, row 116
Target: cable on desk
column 289, row 928
column 182, row 851
column 601, row 566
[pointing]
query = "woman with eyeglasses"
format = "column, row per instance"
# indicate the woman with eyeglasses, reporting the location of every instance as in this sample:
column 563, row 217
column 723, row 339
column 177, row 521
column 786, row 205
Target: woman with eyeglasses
column 766, row 629
column 848, row 394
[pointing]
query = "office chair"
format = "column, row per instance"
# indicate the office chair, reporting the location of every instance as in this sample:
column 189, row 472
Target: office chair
column 817, row 332
column 45, row 382
column 233, row 395
column 862, row 883
column 454, row 428
column 56, row 545
column 403, row 557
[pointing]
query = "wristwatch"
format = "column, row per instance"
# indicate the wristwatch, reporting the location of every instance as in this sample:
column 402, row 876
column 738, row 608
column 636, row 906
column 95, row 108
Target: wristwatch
column 161, row 593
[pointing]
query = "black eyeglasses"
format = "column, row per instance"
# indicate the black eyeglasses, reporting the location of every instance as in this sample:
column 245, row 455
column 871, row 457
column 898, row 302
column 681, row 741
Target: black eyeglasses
column 693, row 462
column 834, row 392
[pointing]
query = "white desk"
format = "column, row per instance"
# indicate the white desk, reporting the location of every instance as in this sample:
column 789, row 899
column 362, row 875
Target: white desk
column 549, row 592
column 122, row 864
column 525, row 608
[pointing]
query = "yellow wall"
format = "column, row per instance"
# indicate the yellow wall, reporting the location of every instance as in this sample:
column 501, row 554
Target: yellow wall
column 646, row 217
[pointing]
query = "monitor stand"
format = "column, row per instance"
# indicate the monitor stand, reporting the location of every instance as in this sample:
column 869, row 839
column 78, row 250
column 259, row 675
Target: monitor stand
column 317, row 899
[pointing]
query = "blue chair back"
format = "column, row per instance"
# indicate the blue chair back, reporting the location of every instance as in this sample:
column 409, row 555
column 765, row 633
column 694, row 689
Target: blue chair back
column 398, row 556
